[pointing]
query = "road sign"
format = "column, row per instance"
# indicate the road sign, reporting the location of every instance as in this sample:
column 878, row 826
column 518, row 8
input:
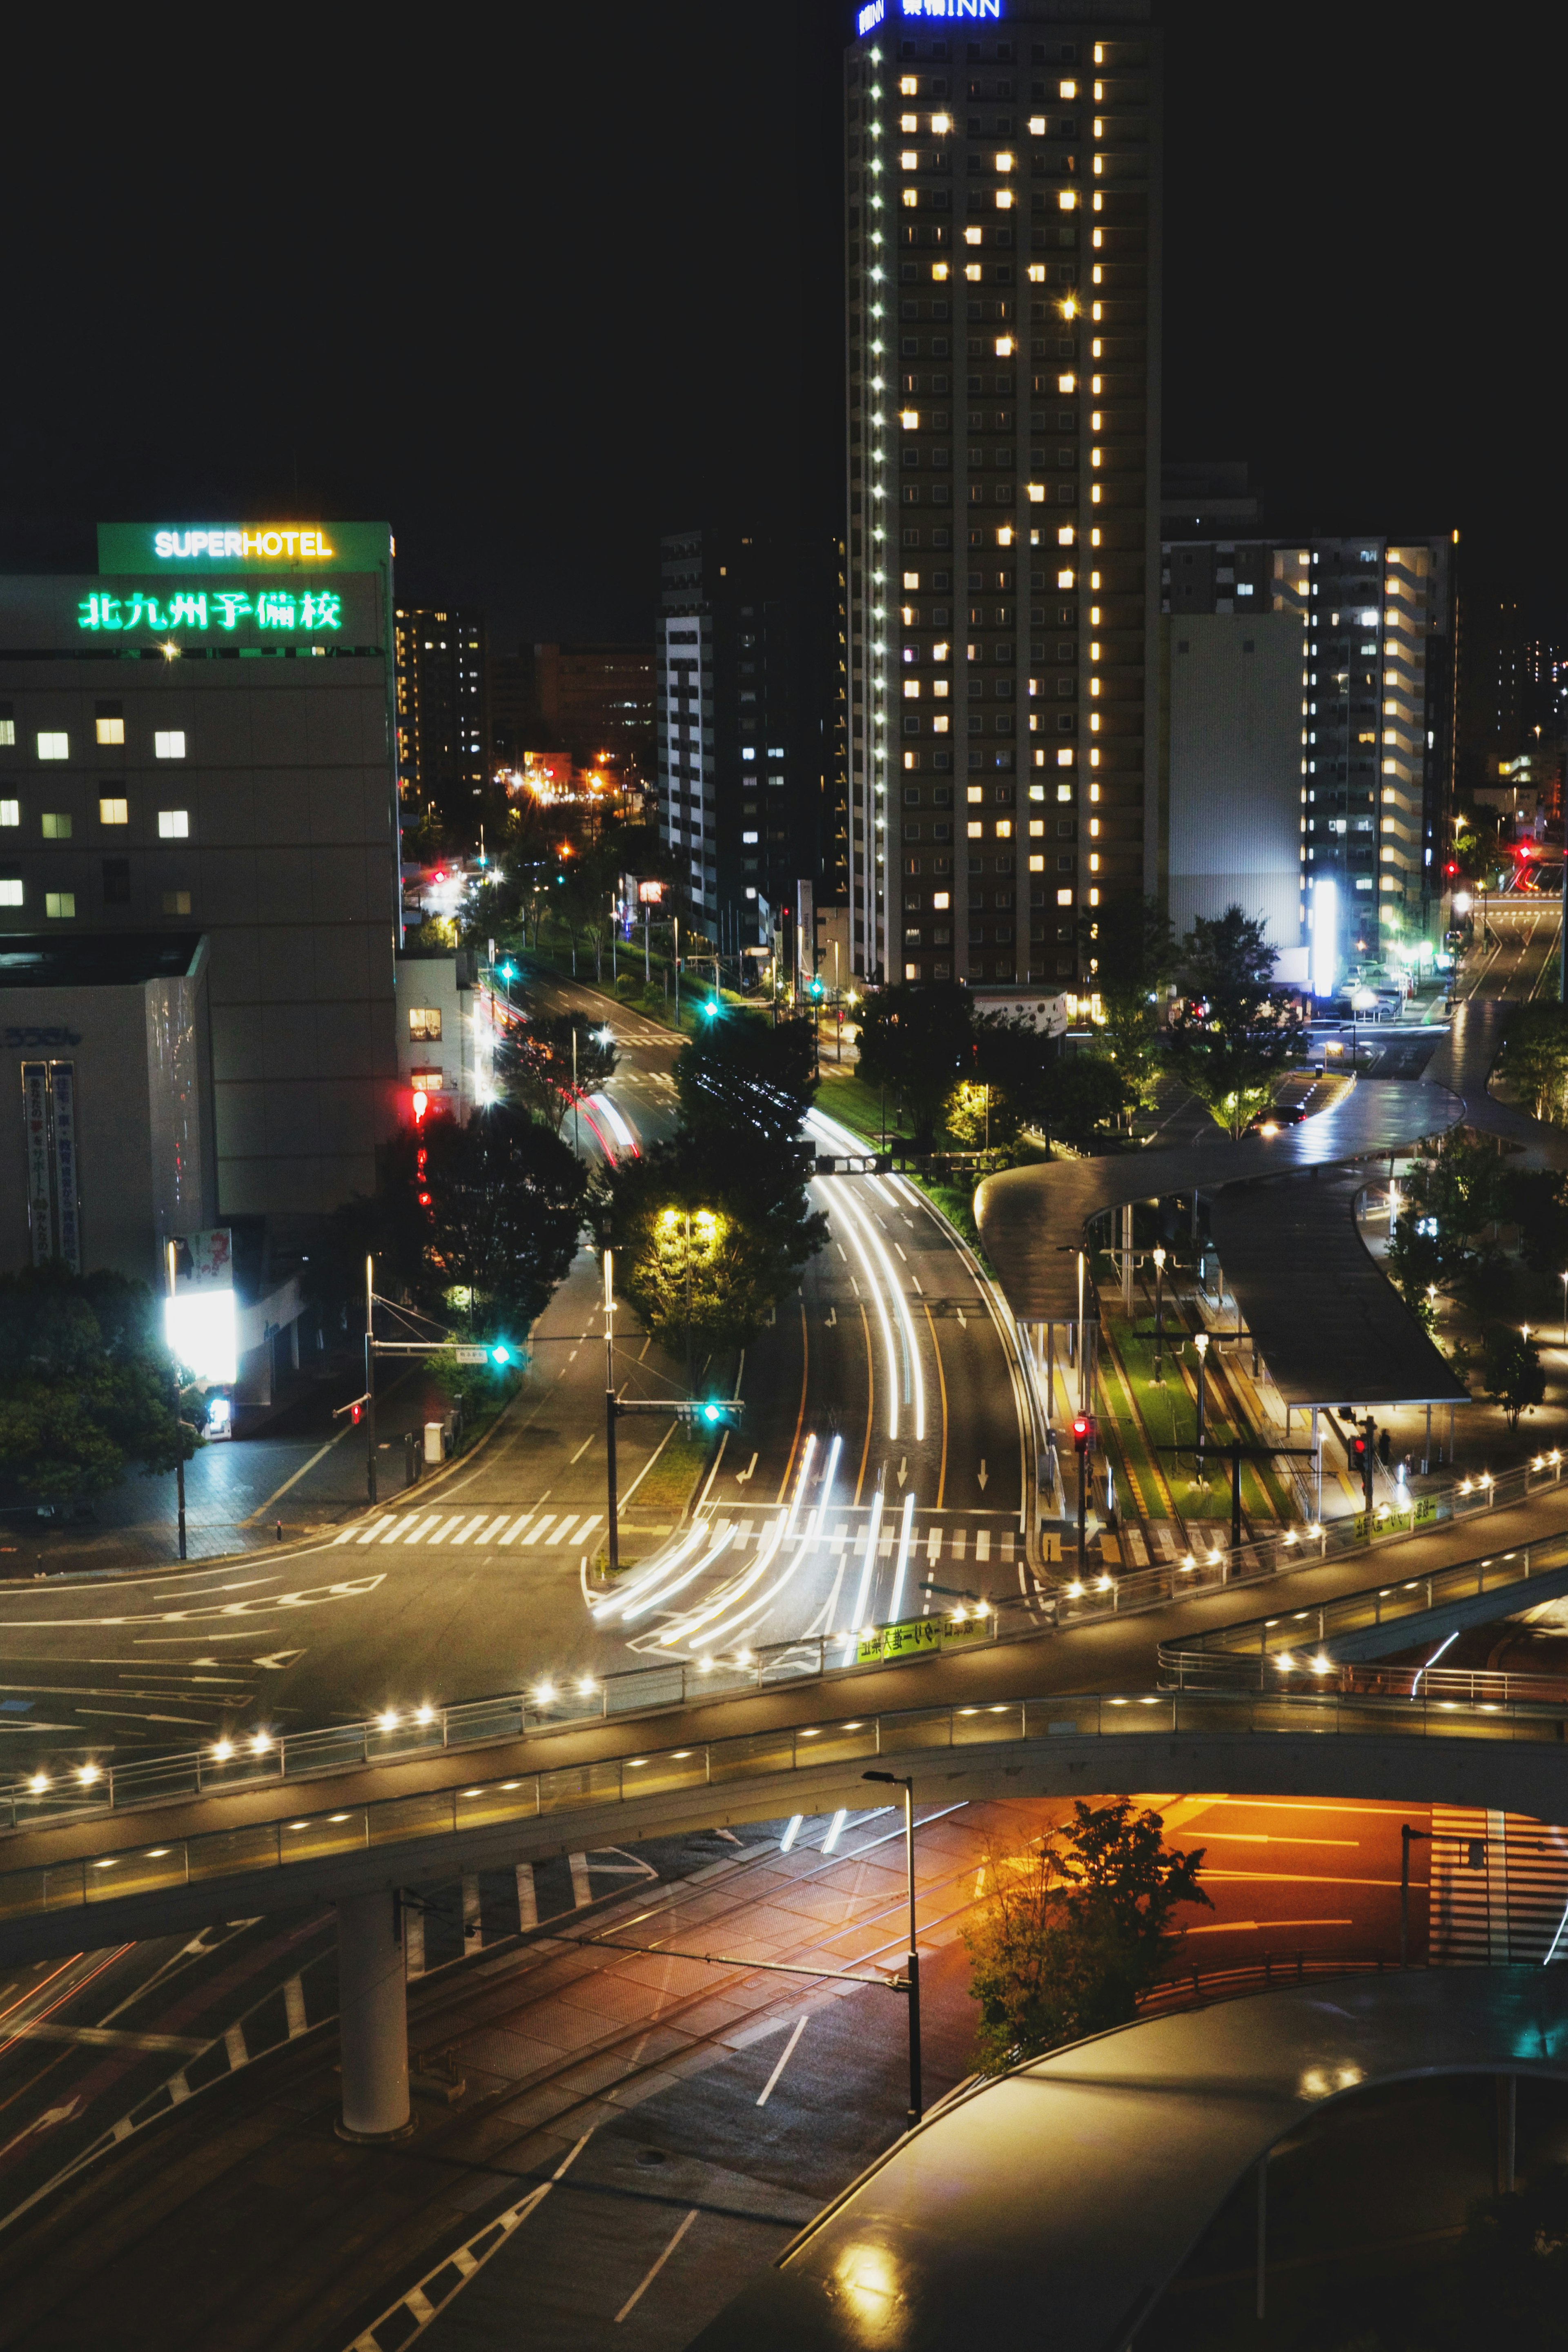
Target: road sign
column 472, row 1355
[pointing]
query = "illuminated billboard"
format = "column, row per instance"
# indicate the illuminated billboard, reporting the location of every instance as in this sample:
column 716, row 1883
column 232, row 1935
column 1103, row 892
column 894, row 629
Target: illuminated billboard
column 183, row 549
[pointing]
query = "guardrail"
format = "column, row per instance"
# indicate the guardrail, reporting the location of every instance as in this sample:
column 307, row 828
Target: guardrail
column 908, row 1733
column 1267, row 1652
column 1195, row 1988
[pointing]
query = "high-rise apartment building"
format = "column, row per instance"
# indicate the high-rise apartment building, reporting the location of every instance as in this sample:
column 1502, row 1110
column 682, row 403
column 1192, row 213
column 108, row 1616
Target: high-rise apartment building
column 749, row 728
column 1378, row 676
column 443, row 736
column 1002, row 177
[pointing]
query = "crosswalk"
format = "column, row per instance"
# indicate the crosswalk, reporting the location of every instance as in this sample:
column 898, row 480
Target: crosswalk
column 1498, row 1890
column 930, row 1540
column 481, row 1530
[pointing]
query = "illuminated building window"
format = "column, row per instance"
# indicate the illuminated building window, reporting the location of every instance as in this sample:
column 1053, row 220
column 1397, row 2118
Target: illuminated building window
column 173, row 824
column 10, row 812
column 60, row 906
column 169, row 743
column 176, row 902
column 972, row 272
column 425, row 1022
column 10, row 892
column 56, row 825
column 111, row 730
column 54, row 746
column 7, row 732
column 114, row 812
column 939, row 272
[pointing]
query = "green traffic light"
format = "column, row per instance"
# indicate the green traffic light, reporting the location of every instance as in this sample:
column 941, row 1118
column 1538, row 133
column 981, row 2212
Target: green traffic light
column 712, row 1412
column 500, row 1353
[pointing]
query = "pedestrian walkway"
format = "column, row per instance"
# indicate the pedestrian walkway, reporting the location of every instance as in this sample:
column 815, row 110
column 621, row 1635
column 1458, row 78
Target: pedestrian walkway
column 963, row 1541
column 528, row 1529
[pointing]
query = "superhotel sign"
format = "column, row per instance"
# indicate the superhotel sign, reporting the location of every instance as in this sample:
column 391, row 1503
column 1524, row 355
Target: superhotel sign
column 186, row 549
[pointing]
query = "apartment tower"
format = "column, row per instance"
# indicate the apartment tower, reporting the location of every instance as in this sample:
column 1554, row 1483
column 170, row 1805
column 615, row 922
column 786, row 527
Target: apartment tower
column 1002, row 174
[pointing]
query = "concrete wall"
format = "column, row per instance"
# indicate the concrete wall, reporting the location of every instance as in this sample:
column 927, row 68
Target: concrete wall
column 1234, row 765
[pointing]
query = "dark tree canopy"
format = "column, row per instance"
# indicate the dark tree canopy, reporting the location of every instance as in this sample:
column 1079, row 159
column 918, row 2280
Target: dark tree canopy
column 86, row 1383
column 1236, row 1032
column 918, row 1041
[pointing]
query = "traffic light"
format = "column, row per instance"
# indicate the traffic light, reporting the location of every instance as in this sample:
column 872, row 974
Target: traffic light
column 1083, row 1431
column 717, row 1413
column 502, row 1352
column 816, row 987
column 711, row 1008
column 509, row 970
column 1451, row 870
column 355, row 1409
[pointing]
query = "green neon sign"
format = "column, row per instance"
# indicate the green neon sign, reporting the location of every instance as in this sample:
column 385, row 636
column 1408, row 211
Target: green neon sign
column 205, row 610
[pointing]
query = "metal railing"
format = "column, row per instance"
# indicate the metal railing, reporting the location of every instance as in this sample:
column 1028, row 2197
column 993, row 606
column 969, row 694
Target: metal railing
column 1270, row 1651
column 618, row 1781
column 1195, row 1988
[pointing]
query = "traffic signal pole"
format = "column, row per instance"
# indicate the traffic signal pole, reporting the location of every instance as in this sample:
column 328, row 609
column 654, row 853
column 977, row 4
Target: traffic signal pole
column 610, row 1414
column 370, row 1376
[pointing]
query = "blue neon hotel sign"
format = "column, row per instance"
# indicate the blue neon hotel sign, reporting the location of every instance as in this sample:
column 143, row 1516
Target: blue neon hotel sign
column 867, row 18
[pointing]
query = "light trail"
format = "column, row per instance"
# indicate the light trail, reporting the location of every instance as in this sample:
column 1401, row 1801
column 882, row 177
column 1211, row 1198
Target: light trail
column 905, row 1531
column 868, row 1269
column 873, row 1531
column 692, row 1628
column 1432, row 1661
column 623, row 1132
column 656, row 1572
column 714, row 1553
column 915, row 1378
column 805, row 1547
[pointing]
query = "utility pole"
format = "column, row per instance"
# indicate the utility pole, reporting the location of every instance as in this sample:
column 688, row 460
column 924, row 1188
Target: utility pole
column 370, row 1376
column 1407, row 1837
column 179, row 1427
column 1159, row 1311
column 898, row 1781
column 1201, row 1342
column 576, row 1120
column 610, row 1405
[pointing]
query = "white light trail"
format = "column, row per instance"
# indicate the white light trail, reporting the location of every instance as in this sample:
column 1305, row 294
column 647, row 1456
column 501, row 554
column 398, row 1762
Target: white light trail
column 805, row 1546
column 623, row 1134
column 1433, row 1660
column 873, row 1530
column 656, row 1572
column 917, row 1376
column 783, row 1531
column 667, row 1592
column 905, row 1531
column 835, row 1830
column 870, row 1272
column 791, row 1830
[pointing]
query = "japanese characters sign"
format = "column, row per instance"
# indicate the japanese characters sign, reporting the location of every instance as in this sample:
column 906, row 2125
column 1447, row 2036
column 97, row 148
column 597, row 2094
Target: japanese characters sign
column 316, row 612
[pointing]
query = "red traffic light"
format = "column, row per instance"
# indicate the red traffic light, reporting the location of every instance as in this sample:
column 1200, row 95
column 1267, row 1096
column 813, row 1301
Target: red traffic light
column 1081, row 1427
column 1358, row 1447
column 355, row 1411
column 1451, row 870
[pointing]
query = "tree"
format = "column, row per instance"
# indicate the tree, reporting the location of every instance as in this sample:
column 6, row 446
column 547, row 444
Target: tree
column 980, row 1117
column 1130, row 951
column 739, row 1073
column 1537, row 1203
column 1076, row 1926
column 86, row 1384
column 919, row 1040
column 535, row 1062
column 1236, row 1032
column 481, row 1230
column 1534, row 1060
column 1513, row 1374
column 710, row 1230
column 1449, row 1199
column 1085, row 1095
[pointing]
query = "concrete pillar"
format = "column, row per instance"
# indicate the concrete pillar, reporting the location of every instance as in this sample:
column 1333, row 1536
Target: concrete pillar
column 372, row 2019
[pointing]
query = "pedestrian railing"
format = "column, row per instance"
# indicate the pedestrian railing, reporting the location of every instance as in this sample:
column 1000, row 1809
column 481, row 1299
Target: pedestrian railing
column 913, row 1735
column 1197, row 1988
column 1283, row 1652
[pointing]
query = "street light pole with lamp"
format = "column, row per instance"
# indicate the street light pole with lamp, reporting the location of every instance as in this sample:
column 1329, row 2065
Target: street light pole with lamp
column 1201, row 1342
column 1160, row 1311
column 902, row 1780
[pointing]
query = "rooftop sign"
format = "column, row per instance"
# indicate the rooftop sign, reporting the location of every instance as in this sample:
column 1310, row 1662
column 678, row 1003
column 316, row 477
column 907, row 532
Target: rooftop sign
column 183, row 549
column 867, row 18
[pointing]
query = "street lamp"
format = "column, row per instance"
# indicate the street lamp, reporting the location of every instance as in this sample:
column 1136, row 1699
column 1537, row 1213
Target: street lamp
column 902, row 1780
column 1160, row 1308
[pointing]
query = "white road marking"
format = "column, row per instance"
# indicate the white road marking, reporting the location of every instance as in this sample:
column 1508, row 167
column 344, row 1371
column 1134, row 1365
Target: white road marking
column 477, row 1521
column 638, row 2294
column 767, row 2090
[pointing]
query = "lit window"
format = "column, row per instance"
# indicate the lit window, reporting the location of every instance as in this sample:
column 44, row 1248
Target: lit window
column 1067, row 200
column 114, row 812
column 1064, row 898
column 909, row 122
column 1005, row 200
column 975, row 829
column 1063, row 791
column 973, row 235
column 973, row 272
column 1036, row 273
column 111, row 730
column 8, row 732
column 10, row 812
column 1067, row 383
column 911, row 579
column 10, row 892
column 909, row 159
column 169, row 743
column 1065, row 579
column 1037, row 864
column 941, row 650
column 1036, row 126
column 1036, row 491
column 940, row 901
column 911, row 198
column 910, row 419
column 939, row 272
column 939, row 687
column 1004, row 828
column 1004, row 347
column 976, row 793
column 908, row 86
column 425, row 1022
column 176, row 902
column 60, row 906
column 1036, row 823
column 173, row 824
column 54, row 746
column 1066, row 89
column 911, row 971
column 941, row 123
column 1004, row 162
column 56, row 825
column 911, row 689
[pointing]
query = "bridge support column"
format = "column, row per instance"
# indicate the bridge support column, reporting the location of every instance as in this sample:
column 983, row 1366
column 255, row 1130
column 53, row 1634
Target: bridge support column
column 373, row 2005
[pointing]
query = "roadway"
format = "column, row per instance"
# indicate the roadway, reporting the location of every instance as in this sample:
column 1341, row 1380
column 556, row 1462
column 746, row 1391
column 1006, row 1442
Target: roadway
column 882, row 1447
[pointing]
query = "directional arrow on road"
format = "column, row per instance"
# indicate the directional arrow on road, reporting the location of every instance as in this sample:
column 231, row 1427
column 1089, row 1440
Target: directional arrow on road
column 982, row 1474
column 741, row 1476
column 832, row 1323
column 903, row 1468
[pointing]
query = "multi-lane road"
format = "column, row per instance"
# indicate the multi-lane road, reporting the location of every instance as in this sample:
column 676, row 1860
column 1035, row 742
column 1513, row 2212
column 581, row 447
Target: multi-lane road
column 885, row 1450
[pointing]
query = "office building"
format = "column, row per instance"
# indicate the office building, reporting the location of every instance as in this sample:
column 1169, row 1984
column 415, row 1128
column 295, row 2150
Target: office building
column 443, row 732
column 1376, row 632
column 598, row 702
column 750, row 720
column 196, row 750
column 1003, row 178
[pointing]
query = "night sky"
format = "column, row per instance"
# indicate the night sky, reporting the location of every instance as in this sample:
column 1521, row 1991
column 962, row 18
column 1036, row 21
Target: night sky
column 538, row 294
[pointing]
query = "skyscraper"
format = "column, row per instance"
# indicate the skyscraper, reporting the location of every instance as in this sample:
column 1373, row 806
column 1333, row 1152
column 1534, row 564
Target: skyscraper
column 1003, row 172
column 443, row 739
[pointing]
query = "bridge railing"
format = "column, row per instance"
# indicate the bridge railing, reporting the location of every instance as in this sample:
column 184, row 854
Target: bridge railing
column 1282, row 1651
column 911, row 1734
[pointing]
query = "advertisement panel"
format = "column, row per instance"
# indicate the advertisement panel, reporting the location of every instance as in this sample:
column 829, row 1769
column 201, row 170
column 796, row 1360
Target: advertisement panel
column 182, row 548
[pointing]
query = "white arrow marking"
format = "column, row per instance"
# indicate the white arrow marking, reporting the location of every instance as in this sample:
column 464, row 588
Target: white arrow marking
column 903, row 1468
column 741, row 1476
column 982, row 1474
